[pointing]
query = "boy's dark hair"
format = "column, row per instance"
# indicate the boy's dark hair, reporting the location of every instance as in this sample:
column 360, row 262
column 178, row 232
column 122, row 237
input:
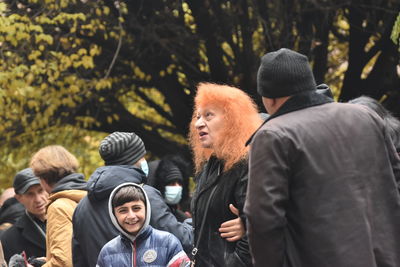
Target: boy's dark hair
column 127, row 194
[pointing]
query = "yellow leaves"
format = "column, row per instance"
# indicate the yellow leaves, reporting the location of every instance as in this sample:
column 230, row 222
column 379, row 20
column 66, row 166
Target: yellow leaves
column 35, row 28
column 369, row 66
column 74, row 57
column 65, row 43
column 95, row 50
column 171, row 68
column 182, row 78
column 82, row 51
column 109, row 119
column 29, row 78
column 227, row 49
column 395, row 35
column 3, row 7
column 21, row 36
column 44, row 37
column 103, row 83
column 106, row 10
column 343, row 24
column 74, row 89
column 67, row 101
column 113, row 117
column 44, row 20
column 87, row 62
column 139, row 73
column 34, row 55
column 31, row 104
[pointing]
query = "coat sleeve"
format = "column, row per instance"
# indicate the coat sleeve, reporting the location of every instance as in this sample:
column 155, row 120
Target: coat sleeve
column 176, row 256
column 242, row 256
column 59, row 235
column 267, row 195
column 394, row 158
column 77, row 254
column 163, row 219
column 100, row 259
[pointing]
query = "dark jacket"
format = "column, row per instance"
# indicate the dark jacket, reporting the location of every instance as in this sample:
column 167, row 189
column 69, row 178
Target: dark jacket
column 214, row 250
column 9, row 213
column 322, row 188
column 26, row 236
column 92, row 225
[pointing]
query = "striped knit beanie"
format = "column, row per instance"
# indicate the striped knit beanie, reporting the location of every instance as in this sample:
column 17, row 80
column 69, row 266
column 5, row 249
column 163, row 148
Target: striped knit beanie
column 284, row 73
column 120, row 148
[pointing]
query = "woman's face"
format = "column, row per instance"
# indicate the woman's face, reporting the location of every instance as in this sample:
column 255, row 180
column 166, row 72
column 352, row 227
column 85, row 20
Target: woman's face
column 209, row 123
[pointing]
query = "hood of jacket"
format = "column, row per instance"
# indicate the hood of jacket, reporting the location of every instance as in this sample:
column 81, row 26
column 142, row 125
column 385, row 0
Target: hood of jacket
column 114, row 218
column 74, row 181
column 73, row 194
column 103, row 181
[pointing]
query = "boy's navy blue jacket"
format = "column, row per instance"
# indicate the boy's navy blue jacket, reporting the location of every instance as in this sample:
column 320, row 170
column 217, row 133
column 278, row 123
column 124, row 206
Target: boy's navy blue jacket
column 92, row 224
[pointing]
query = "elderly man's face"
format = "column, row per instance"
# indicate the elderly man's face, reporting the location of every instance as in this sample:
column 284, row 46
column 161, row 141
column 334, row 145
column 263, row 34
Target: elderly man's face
column 34, row 200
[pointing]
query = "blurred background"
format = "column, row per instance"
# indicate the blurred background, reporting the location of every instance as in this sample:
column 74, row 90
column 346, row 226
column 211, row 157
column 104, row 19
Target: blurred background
column 73, row 71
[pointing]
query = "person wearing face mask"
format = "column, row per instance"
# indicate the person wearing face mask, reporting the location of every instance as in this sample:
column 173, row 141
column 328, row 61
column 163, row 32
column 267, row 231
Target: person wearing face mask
column 123, row 154
column 169, row 181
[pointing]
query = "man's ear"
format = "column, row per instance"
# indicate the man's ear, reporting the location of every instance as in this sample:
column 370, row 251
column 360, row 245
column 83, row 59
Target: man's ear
column 18, row 197
column 274, row 102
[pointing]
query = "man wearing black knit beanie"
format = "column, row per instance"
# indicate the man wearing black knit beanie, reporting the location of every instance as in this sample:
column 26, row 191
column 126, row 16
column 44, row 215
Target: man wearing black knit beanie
column 322, row 182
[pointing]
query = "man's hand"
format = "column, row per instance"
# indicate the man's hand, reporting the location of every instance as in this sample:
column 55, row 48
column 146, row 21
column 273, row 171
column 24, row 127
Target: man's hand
column 232, row 230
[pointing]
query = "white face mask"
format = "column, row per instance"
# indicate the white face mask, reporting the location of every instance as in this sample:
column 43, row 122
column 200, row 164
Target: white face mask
column 173, row 194
column 145, row 167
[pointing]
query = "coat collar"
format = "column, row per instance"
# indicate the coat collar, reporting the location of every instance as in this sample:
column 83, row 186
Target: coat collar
column 30, row 232
column 296, row 102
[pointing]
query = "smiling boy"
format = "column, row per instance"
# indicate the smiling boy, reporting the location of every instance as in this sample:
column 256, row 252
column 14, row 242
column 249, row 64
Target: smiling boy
column 138, row 243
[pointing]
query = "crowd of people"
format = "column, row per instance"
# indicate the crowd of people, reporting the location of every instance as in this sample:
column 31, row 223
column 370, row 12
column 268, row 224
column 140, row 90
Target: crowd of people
column 313, row 183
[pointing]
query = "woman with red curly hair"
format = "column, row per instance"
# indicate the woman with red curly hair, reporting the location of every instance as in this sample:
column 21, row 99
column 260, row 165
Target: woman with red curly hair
column 224, row 118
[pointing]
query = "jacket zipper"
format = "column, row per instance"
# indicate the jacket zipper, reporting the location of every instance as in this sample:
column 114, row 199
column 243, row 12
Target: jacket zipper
column 133, row 253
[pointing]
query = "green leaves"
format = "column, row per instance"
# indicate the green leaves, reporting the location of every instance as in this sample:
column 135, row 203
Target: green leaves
column 395, row 36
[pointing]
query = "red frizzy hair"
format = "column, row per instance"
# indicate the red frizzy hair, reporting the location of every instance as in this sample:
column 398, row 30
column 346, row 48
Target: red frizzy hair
column 240, row 113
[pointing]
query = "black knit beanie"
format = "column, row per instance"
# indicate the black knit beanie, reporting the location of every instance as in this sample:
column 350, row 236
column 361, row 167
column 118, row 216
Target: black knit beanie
column 284, row 73
column 173, row 174
column 120, row 148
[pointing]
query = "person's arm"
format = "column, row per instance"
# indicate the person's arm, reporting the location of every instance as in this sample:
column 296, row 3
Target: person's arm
column 394, row 158
column 242, row 252
column 100, row 259
column 78, row 258
column 267, row 195
column 59, row 235
column 162, row 218
column 176, row 256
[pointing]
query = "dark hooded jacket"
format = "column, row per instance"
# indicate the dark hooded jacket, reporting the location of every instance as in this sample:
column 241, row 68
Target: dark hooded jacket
column 92, row 224
column 9, row 213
